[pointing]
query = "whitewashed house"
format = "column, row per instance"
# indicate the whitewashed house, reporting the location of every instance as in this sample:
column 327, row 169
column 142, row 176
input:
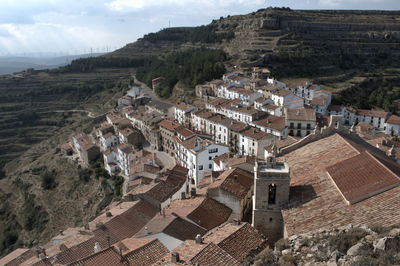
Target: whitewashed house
column 393, row 126
column 321, row 101
column 375, row 118
column 181, row 111
column 301, row 121
column 245, row 95
column 287, row 99
column 275, row 125
column 197, row 155
column 252, row 142
column 108, row 140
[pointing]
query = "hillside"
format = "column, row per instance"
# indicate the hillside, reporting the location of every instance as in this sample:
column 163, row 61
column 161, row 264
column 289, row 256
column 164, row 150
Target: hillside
column 345, row 51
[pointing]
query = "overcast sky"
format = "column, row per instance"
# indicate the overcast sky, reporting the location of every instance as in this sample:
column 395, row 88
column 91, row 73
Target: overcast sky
column 77, row 26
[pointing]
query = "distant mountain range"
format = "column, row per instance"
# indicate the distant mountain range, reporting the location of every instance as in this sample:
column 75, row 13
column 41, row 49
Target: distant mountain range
column 9, row 65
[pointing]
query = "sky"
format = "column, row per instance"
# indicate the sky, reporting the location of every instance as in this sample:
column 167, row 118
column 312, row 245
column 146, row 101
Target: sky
column 44, row 27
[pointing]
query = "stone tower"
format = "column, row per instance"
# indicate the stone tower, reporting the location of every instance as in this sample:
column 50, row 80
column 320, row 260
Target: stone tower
column 271, row 194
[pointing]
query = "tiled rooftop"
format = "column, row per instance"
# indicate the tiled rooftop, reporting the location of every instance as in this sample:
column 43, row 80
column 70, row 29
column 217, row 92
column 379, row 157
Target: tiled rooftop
column 301, row 114
column 239, row 241
column 316, row 203
column 169, row 125
column 118, row 228
column 210, row 214
column 213, row 255
column 362, row 176
column 235, row 181
column 273, row 122
column 147, row 254
column 394, row 119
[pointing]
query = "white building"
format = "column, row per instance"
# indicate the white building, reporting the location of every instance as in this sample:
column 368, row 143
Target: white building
column 181, row 111
column 306, row 90
column 247, row 96
column 287, row 99
column 108, row 140
column 218, row 128
column 118, row 158
column 272, row 124
column 321, row 101
column 301, row 121
column 252, row 142
column 393, row 126
column 197, row 155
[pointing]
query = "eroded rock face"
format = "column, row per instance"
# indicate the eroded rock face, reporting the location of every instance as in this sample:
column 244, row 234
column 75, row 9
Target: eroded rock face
column 341, row 246
column 360, row 249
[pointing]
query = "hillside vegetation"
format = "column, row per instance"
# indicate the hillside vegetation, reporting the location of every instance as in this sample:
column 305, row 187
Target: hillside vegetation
column 355, row 54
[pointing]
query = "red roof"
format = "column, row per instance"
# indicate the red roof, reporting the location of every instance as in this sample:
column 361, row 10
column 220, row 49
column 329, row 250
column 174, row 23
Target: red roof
column 240, row 241
column 210, row 214
column 214, row 255
column 361, row 177
column 235, row 181
column 170, row 125
column 394, row 119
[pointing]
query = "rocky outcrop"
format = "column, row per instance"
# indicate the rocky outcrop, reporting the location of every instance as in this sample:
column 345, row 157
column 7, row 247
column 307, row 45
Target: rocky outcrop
column 344, row 246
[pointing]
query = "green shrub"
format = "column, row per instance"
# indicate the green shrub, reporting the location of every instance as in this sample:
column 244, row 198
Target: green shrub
column 345, row 240
column 84, row 174
column 48, row 180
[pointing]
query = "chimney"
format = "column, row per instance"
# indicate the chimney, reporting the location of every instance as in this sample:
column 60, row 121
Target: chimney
column 174, row 257
column 193, row 192
column 147, row 230
column 199, row 239
column 97, row 247
column 108, row 214
column 183, row 195
column 108, row 241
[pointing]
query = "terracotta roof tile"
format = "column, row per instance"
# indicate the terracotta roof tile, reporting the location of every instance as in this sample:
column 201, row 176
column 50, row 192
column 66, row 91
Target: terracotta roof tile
column 361, row 177
column 147, row 254
column 170, row 125
column 213, row 255
column 240, row 241
column 372, row 113
column 235, row 181
column 109, row 256
column 394, row 119
column 120, row 227
column 301, row 114
column 272, row 122
column 316, row 203
column 255, row 133
column 210, row 214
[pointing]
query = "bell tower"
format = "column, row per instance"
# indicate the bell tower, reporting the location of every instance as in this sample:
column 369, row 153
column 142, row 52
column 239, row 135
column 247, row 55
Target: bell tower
column 271, row 194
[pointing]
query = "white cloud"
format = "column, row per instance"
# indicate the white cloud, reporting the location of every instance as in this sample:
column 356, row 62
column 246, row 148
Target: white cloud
column 346, row 3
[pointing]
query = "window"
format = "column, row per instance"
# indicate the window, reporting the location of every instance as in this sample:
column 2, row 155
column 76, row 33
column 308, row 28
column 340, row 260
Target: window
column 209, row 158
column 200, row 167
column 210, row 166
column 271, row 194
column 291, row 125
column 299, row 125
column 298, row 133
column 213, row 150
column 308, row 132
column 308, row 126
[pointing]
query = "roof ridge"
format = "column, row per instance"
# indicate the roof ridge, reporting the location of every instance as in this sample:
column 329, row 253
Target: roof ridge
column 140, row 248
column 382, row 164
column 348, row 143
